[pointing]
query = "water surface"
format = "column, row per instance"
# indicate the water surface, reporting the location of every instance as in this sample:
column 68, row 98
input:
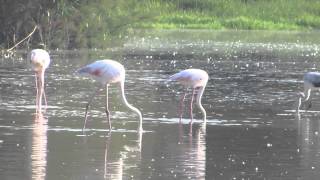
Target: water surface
column 252, row 129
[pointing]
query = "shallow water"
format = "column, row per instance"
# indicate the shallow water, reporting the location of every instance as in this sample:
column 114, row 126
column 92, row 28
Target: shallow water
column 252, row 129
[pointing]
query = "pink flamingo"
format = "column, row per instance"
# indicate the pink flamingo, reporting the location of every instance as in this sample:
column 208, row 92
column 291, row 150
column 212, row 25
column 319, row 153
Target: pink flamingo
column 196, row 79
column 40, row 61
column 107, row 72
column 311, row 81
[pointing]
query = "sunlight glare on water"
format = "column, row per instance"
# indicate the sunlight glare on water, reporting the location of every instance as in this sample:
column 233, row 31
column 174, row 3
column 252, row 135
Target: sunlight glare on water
column 252, row 129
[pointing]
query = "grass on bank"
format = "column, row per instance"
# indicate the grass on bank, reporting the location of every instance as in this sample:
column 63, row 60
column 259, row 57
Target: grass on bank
column 236, row 14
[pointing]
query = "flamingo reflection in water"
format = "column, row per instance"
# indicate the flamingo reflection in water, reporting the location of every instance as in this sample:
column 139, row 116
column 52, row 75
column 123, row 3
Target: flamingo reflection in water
column 115, row 170
column 307, row 145
column 39, row 147
column 40, row 61
column 196, row 151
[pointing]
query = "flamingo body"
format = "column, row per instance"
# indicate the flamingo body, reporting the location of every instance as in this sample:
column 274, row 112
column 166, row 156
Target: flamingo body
column 311, row 81
column 191, row 78
column 104, row 71
column 195, row 79
column 40, row 61
column 107, row 72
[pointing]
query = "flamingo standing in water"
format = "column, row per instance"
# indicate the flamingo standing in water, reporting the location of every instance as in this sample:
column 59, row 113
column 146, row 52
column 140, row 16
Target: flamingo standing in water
column 107, row 72
column 40, row 61
column 311, row 81
column 196, row 79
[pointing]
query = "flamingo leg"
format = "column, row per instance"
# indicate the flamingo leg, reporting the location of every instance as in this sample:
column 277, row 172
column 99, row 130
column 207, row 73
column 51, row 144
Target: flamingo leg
column 39, row 91
column 191, row 109
column 42, row 90
column 181, row 105
column 107, row 107
column 190, row 129
column 37, row 96
column 45, row 100
column 40, row 84
column 44, row 94
column 87, row 107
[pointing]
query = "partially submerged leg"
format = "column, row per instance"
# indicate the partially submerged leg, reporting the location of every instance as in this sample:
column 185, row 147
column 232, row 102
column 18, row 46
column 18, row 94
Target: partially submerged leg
column 42, row 90
column 87, row 107
column 191, row 113
column 37, row 95
column 45, row 100
column 107, row 107
column 183, row 96
column 191, row 103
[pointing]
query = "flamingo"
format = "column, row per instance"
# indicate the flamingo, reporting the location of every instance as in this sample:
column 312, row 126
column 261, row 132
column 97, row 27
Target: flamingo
column 107, row 72
column 196, row 79
column 311, row 81
column 40, row 61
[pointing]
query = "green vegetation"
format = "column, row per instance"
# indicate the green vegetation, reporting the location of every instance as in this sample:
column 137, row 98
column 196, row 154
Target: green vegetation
column 69, row 24
column 238, row 14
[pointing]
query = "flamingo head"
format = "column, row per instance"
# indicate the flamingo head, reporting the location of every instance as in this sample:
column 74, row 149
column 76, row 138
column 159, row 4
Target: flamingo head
column 37, row 66
column 301, row 95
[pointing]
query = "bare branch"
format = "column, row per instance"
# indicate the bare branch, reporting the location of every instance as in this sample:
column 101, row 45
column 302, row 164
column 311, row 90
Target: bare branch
column 34, row 29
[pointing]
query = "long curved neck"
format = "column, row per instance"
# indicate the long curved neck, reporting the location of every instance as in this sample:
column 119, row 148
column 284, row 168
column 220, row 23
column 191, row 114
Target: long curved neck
column 301, row 95
column 130, row 106
column 199, row 96
column 299, row 104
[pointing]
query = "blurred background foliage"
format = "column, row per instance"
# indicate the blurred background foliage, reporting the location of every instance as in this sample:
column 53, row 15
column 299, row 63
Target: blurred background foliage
column 76, row 24
column 69, row 24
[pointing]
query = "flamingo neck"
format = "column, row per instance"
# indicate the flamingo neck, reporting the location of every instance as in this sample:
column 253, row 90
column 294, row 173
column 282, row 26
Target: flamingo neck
column 124, row 99
column 299, row 104
column 198, row 100
column 301, row 95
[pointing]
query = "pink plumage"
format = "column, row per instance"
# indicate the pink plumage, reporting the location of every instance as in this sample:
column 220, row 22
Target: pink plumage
column 196, row 79
column 191, row 78
column 104, row 71
column 40, row 61
column 107, row 72
column 311, row 81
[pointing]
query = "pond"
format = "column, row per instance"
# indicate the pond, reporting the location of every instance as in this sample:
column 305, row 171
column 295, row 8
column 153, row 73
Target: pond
column 252, row 129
